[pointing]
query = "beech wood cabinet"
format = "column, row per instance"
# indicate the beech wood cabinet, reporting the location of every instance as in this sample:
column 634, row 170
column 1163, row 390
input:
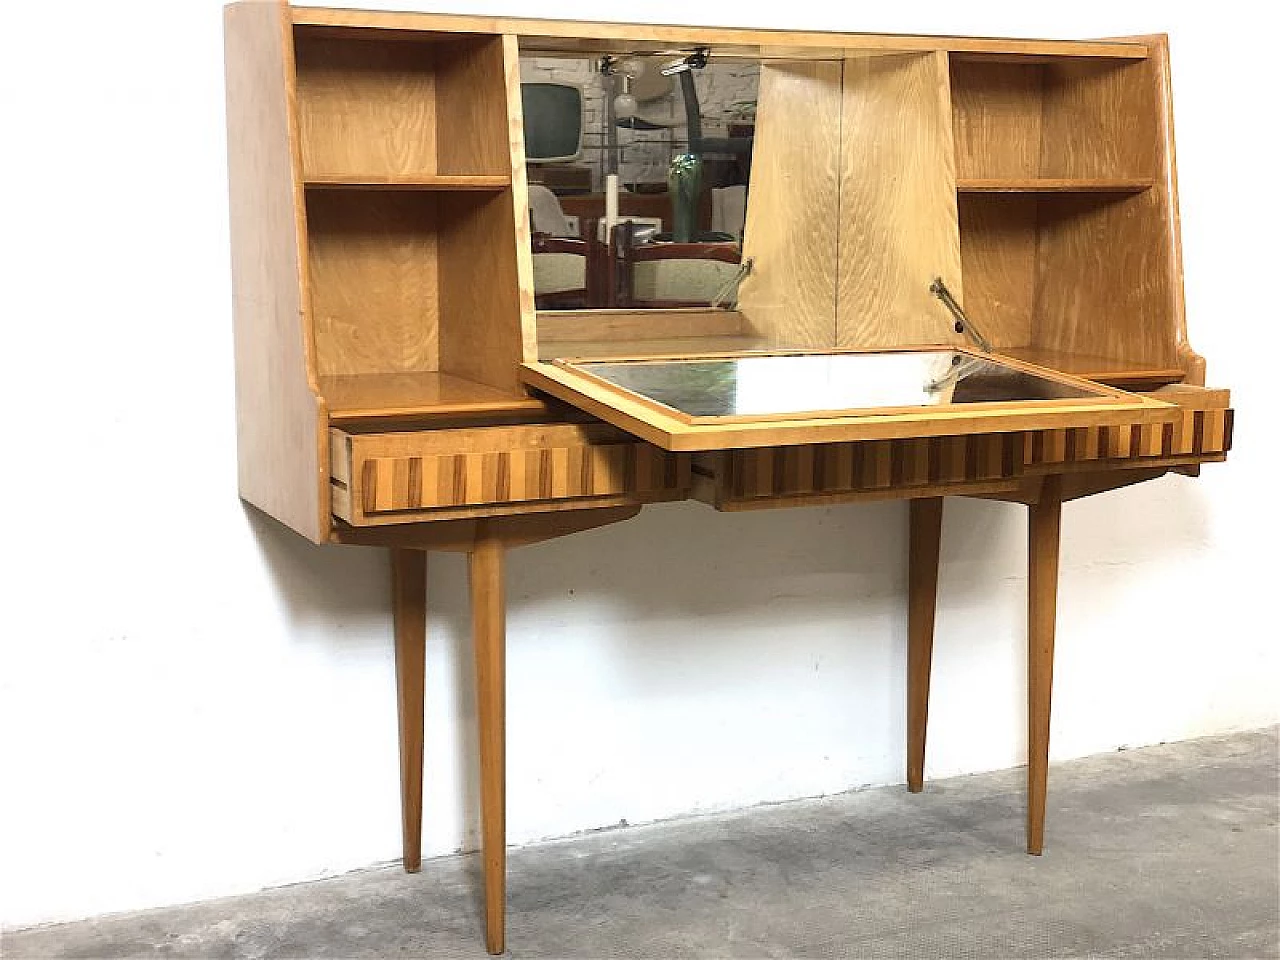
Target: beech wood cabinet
column 396, row 387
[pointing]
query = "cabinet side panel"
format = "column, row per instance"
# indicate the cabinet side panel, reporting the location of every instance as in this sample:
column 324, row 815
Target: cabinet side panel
column 480, row 323
column 485, row 270
column 520, row 197
column 281, row 465
column 1167, row 179
column 792, row 222
column 471, row 107
column 898, row 219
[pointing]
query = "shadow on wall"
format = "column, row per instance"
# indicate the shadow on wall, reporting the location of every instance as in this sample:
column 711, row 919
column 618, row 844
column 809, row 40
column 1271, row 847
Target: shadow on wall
column 682, row 596
column 684, row 566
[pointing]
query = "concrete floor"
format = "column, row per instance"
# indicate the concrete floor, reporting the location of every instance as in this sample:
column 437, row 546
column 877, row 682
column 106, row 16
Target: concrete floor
column 1168, row 851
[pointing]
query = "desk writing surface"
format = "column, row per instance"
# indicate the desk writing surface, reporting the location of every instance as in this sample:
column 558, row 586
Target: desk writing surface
column 786, row 397
column 764, row 386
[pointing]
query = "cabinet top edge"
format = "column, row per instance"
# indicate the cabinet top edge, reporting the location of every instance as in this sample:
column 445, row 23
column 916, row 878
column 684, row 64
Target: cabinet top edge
column 579, row 35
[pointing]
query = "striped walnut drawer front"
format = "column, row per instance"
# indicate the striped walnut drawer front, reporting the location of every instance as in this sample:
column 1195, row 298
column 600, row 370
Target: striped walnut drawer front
column 869, row 465
column 1194, row 433
column 487, row 471
column 869, row 469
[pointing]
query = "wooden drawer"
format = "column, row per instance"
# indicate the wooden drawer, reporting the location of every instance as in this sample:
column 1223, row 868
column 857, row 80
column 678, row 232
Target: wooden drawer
column 1201, row 431
column 862, row 470
column 380, row 478
column 970, row 465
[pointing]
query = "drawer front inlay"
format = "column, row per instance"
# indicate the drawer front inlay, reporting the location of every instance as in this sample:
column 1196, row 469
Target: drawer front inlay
column 392, row 477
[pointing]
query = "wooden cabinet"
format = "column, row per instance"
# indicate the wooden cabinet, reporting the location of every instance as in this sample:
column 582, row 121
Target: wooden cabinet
column 395, row 385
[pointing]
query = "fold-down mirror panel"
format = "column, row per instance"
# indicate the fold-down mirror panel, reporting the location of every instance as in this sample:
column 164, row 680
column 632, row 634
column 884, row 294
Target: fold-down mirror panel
column 726, row 401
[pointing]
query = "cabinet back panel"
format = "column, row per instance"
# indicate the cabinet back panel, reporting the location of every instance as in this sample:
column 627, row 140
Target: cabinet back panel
column 1103, row 281
column 996, row 109
column 366, row 107
column 374, row 283
column 1101, row 119
column 998, row 256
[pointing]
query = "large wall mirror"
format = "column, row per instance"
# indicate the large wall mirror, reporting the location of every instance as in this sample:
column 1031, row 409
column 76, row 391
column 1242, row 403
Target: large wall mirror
column 638, row 168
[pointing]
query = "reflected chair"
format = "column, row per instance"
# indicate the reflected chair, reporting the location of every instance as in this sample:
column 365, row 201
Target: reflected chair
column 568, row 272
column 667, row 275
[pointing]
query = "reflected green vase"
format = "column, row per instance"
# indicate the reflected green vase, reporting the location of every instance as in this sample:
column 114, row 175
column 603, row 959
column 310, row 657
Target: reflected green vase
column 684, row 182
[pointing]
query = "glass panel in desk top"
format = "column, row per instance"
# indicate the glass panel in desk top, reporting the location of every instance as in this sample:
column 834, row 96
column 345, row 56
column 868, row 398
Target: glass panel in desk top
column 772, row 386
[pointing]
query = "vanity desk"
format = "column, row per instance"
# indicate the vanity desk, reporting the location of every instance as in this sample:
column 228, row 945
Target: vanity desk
column 960, row 276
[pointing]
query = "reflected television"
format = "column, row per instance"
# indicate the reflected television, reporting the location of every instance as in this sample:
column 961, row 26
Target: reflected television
column 553, row 122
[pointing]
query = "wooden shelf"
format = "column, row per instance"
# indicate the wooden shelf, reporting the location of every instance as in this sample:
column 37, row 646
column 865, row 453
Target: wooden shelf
column 1121, row 373
column 405, row 182
column 368, row 396
column 1052, row 185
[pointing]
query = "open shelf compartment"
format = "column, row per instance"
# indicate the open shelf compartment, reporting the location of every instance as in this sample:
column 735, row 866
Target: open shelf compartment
column 386, row 106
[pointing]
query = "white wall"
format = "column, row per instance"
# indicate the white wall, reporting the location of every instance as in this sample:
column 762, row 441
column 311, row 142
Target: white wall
column 194, row 702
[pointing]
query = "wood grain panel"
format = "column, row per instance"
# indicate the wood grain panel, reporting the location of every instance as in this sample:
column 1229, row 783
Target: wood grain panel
column 393, row 477
column 1054, row 184
column 588, row 37
column 1119, row 373
column 480, row 316
column 998, row 257
column 791, row 228
column 1102, row 278
column 518, row 171
column 997, row 109
column 486, row 273
column 898, row 219
column 471, row 107
column 367, row 106
column 1101, row 118
column 385, row 395
column 568, row 327
column 1191, row 362
column 374, row 281
column 279, row 421
column 1109, row 276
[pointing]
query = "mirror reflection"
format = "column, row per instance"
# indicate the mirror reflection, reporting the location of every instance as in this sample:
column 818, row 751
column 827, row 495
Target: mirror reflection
column 638, row 169
column 772, row 386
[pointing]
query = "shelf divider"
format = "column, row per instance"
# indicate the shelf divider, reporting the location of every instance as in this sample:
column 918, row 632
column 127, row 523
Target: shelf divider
column 479, row 182
column 1053, row 185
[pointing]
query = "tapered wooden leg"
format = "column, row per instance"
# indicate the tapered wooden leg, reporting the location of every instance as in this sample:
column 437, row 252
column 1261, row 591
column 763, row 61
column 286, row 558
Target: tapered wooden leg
column 409, row 611
column 488, row 626
column 922, row 588
column 1042, row 601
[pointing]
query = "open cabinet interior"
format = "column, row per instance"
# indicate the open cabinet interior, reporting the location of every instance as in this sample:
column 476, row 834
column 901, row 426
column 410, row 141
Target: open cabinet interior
column 407, row 172
column 1039, row 188
column 1064, row 170
column 1035, row 188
